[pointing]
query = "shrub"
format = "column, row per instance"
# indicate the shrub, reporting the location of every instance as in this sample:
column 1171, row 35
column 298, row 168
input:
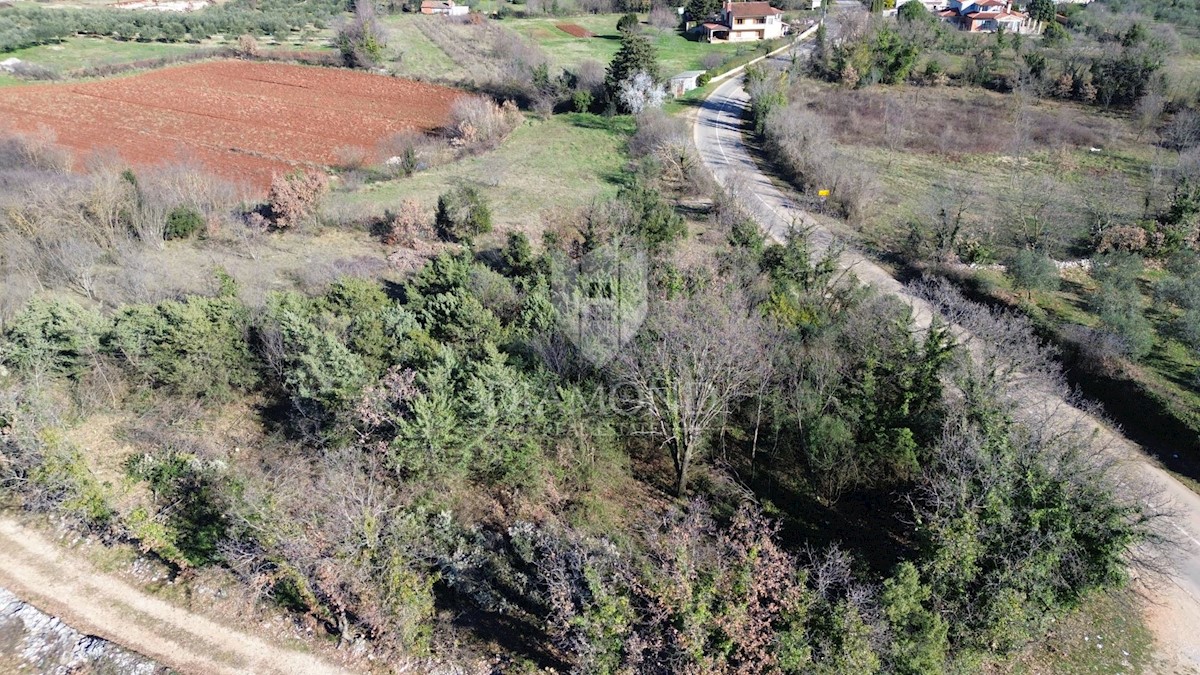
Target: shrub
column 191, row 521
column 295, row 197
column 462, row 214
column 182, row 223
column 475, row 120
column 247, row 46
column 406, row 225
column 61, row 479
column 362, row 40
column 1033, row 271
column 582, row 101
column 518, row 255
column 1122, row 238
column 628, row 23
column 51, row 336
column 652, row 218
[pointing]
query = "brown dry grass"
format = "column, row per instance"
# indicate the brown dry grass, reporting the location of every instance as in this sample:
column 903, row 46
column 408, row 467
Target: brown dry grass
column 957, row 121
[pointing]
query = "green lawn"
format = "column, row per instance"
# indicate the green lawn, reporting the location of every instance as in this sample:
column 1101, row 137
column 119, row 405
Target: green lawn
column 676, row 53
column 545, row 168
column 416, row 55
column 458, row 61
column 82, row 52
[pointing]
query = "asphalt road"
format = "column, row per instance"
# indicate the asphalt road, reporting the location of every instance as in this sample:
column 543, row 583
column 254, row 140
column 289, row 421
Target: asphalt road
column 1174, row 607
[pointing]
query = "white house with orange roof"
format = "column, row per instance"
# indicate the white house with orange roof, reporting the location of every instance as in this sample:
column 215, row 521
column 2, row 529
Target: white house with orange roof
column 744, row 22
column 987, row 16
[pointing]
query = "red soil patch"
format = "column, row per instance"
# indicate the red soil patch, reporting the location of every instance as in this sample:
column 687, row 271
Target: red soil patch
column 245, row 121
column 574, row 30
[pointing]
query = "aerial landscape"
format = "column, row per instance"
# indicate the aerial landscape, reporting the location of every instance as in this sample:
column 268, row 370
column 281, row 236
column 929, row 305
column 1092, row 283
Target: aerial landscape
column 599, row 336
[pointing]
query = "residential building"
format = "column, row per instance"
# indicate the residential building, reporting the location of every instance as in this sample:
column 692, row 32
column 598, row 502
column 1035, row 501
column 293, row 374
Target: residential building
column 987, row 16
column 446, row 7
column 744, row 22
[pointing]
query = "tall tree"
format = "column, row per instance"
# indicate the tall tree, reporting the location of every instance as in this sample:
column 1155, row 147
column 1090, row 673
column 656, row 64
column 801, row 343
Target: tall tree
column 1041, row 10
column 636, row 55
column 702, row 10
column 695, row 359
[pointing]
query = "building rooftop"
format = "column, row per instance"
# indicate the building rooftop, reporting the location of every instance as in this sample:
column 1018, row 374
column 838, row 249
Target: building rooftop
column 751, row 9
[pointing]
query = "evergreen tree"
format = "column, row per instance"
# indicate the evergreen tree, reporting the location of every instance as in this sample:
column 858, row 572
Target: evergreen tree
column 702, row 10
column 636, row 55
column 1041, row 10
column 920, row 643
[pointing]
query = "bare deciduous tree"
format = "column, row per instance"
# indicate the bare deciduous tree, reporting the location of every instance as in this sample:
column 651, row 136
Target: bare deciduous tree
column 696, row 358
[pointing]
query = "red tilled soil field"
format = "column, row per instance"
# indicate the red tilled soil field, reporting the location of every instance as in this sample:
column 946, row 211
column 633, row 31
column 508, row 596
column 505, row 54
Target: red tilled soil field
column 246, row 121
column 574, row 30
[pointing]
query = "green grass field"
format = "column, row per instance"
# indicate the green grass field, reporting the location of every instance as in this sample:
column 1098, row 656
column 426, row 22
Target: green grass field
column 676, row 53
column 416, row 55
column 463, row 57
column 81, row 52
column 544, row 168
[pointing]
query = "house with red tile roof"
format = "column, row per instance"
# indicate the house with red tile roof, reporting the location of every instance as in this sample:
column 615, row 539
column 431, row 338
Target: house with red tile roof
column 744, row 22
column 987, row 16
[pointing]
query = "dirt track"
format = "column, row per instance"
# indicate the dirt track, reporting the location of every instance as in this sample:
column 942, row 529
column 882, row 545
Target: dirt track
column 65, row 585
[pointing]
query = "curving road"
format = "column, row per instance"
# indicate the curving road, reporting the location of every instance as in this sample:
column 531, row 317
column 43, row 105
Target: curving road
column 1174, row 609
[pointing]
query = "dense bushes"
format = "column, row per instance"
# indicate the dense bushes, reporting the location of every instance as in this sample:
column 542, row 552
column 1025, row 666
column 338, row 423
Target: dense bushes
column 1119, row 64
column 999, row 509
column 473, row 457
column 195, row 348
column 54, row 337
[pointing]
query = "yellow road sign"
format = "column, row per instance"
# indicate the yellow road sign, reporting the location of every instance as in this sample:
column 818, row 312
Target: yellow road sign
column 822, row 193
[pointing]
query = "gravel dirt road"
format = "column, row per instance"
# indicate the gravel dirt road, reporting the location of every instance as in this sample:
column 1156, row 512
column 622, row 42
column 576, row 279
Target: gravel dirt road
column 1174, row 607
column 65, row 585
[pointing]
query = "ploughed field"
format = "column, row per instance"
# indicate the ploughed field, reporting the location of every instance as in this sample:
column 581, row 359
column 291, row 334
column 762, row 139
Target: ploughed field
column 245, row 121
column 575, row 30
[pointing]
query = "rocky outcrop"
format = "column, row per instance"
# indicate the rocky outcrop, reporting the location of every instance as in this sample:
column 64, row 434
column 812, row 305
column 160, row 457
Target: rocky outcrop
column 32, row 641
